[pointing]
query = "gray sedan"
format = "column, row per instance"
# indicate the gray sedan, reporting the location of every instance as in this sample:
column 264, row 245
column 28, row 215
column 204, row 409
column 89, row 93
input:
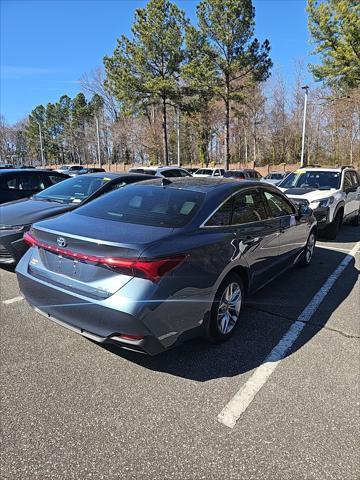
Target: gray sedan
column 157, row 262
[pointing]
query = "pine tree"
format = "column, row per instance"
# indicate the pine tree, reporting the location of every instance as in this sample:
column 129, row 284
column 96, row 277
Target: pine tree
column 144, row 71
column 230, row 58
column 335, row 29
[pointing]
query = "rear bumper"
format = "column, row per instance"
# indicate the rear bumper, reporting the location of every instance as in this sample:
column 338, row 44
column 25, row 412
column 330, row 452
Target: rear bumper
column 88, row 318
column 132, row 311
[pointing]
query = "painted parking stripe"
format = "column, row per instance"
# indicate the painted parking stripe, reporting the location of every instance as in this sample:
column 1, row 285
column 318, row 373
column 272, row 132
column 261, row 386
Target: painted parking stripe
column 243, row 398
column 12, row 300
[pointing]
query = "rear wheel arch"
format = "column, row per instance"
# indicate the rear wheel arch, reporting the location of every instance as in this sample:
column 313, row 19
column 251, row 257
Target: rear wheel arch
column 243, row 274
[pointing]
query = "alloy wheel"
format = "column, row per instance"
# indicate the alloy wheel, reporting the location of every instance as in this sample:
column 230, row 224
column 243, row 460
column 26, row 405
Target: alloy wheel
column 229, row 308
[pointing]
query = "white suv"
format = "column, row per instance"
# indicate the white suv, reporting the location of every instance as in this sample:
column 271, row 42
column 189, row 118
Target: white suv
column 166, row 172
column 332, row 193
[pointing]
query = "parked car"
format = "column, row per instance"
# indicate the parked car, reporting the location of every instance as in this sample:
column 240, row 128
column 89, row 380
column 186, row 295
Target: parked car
column 333, row 194
column 149, row 265
column 244, row 174
column 70, row 169
column 167, row 172
column 90, row 170
column 17, row 217
column 19, row 183
column 6, row 165
column 275, row 177
column 209, row 172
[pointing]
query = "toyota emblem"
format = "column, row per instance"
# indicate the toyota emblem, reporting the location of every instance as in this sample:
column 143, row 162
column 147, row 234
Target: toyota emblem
column 61, row 241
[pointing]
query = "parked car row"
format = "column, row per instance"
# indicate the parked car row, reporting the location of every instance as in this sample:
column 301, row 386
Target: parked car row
column 153, row 257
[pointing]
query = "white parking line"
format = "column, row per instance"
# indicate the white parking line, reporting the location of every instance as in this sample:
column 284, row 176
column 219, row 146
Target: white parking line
column 13, row 300
column 243, row 398
column 336, row 249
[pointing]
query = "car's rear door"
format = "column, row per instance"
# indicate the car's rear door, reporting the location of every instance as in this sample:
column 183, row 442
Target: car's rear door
column 256, row 235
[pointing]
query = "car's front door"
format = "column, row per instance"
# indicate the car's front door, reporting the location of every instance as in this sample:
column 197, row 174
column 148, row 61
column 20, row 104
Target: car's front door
column 350, row 189
column 293, row 232
column 257, row 236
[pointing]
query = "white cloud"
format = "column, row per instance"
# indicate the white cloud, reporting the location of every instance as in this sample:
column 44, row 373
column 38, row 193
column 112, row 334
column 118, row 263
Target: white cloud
column 12, row 72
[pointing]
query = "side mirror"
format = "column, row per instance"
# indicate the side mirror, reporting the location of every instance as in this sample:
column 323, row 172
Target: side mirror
column 304, row 209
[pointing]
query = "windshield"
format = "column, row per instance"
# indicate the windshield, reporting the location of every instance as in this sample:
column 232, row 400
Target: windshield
column 204, row 171
column 73, row 190
column 317, row 179
column 146, row 205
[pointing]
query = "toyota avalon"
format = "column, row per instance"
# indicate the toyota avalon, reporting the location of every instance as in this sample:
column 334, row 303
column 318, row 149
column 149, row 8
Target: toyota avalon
column 149, row 265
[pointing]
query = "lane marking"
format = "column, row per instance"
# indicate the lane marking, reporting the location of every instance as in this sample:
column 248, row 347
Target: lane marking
column 336, row 249
column 231, row 413
column 12, row 300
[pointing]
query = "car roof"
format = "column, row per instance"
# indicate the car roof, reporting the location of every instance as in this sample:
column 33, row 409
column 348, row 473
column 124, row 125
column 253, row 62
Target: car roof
column 204, row 184
column 320, row 169
column 114, row 175
column 21, row 170
column 162, row 169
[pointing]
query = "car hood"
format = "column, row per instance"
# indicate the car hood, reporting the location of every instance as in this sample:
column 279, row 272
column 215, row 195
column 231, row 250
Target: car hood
column 27, row 211
column 309, row 194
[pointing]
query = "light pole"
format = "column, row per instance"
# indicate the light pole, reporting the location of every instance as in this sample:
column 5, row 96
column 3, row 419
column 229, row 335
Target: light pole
column 41, row 145
column 178, row 136
column 98, row 140
column 306, row 88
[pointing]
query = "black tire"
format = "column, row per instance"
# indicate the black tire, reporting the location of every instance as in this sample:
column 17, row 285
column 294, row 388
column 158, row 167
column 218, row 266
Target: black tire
column 333, row 228
column 356, row 220
column 308, row 253
column 215, row 333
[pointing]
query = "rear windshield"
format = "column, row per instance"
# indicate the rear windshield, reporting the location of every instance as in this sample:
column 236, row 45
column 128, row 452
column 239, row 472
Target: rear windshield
column 233, row 173
column 146, row 205
column 317, row 179
column 73, row 190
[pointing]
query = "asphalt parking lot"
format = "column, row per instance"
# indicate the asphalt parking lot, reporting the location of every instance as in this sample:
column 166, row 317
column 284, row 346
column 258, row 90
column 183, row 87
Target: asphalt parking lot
column 71, row 409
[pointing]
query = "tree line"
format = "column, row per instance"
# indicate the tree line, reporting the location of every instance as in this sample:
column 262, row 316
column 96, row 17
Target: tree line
column 176, row 92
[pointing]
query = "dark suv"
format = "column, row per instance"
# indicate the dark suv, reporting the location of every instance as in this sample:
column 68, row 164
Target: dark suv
column 244, row 174
column 21, row 183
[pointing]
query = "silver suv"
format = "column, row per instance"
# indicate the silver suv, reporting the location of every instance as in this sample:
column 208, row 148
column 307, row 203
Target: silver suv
column 332, row 193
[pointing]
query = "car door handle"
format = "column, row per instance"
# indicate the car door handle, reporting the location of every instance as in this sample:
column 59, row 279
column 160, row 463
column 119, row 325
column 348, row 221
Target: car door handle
column 249, row 240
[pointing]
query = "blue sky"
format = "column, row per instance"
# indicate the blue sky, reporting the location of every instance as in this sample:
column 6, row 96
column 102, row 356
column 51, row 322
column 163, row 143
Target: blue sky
column 46, row 45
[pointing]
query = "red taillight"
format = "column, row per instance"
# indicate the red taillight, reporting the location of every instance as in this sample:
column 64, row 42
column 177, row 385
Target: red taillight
column 151, row 269
column 130, row 337
column 29, row 239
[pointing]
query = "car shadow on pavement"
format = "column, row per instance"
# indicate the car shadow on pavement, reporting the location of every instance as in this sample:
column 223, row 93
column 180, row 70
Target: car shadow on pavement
column 266, row 317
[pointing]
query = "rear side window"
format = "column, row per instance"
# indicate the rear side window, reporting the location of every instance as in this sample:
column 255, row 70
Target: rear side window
column 146, row 205
column 248, row 207
column 10, row 182
column 277, row 204
column 26, row 181
column 222, row 216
